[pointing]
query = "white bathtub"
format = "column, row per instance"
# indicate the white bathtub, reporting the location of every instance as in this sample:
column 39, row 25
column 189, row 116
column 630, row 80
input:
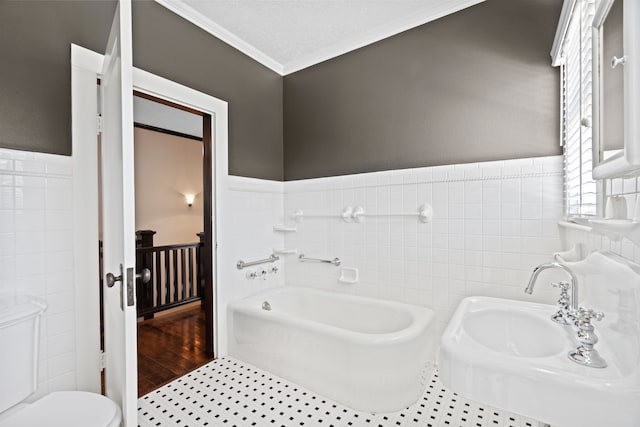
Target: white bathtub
column 369, row 354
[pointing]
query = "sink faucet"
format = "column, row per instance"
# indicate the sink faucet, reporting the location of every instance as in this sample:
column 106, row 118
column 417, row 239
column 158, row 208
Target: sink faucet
column 571, row 314
column 564, row 315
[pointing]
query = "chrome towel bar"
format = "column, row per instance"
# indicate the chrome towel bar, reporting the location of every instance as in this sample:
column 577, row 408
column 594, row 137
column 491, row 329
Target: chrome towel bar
column 335, row 261
column 241, row 264
column 424, row 214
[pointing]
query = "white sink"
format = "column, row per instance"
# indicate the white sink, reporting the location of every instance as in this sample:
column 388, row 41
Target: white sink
column 511, row 355
column 515, row 333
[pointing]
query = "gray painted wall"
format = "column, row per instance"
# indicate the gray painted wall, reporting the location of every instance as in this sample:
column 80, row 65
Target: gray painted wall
column 469, row 87
column 35, row 70
column 473, row 86
column 35, row 76
column 169, row 46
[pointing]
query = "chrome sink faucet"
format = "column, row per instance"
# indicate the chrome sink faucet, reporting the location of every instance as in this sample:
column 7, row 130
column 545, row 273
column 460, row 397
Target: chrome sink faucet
column 571, row 314
column 566, row 314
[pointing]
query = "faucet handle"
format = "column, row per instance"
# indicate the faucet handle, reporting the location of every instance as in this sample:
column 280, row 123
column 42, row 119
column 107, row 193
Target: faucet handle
column 564, row 286
column 586, row 314
column 563, row 316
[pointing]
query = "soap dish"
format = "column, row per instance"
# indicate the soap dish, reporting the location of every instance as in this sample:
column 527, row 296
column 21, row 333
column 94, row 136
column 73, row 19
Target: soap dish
column 349, row 275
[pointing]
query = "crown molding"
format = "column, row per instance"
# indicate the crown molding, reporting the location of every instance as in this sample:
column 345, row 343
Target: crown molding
column 379, row 33
column 200, row 20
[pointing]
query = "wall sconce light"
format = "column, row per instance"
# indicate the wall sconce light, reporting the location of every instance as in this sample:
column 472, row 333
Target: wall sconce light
column 190, row 198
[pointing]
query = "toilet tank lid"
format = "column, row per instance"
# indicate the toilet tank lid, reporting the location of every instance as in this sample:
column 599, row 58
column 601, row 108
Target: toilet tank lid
column 17, row 308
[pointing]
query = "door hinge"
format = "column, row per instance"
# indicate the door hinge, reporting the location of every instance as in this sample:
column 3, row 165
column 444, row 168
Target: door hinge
column 99, row 123
column 101, row 360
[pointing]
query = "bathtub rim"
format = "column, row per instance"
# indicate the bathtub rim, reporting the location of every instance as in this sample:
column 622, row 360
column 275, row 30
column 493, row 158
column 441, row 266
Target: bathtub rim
column 421, row 318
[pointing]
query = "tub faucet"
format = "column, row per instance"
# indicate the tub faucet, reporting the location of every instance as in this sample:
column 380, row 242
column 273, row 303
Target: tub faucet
column 566, row 313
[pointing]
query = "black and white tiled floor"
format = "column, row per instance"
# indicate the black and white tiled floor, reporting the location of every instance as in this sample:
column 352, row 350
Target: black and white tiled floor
column 227, row 392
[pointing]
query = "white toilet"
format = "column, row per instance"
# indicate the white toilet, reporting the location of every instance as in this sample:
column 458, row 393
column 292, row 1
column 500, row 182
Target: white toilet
column 19, row 338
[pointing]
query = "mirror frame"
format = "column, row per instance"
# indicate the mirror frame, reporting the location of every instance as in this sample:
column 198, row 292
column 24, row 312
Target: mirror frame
column 627, row 162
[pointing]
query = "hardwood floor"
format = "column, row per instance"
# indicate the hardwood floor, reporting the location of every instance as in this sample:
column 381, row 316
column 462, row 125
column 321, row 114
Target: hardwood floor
column 169, row 347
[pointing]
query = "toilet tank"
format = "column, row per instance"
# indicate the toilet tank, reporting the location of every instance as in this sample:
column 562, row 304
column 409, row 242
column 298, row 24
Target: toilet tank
column 19, row 339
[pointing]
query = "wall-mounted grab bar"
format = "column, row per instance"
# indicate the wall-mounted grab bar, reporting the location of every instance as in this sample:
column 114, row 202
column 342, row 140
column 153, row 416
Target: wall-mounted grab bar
column 335, row 261
column 424, row 214
column 241, row 264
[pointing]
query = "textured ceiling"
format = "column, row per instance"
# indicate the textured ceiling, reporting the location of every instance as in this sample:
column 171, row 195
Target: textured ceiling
column 288, row 35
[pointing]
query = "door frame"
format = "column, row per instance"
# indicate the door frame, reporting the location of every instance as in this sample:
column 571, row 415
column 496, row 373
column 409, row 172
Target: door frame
column 207, row 212
column 85, row 68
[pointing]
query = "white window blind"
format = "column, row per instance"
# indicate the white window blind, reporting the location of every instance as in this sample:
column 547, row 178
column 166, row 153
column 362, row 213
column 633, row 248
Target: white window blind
column 580, row 188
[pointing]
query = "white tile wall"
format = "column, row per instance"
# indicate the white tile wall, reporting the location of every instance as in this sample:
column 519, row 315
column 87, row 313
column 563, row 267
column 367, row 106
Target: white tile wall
column 36, row 253
column 256, row 205
column 251, row 208
column 494, row 222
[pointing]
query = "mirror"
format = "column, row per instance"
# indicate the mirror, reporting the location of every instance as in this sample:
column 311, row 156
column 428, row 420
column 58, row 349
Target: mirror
column 612, row 98
column 616, row 89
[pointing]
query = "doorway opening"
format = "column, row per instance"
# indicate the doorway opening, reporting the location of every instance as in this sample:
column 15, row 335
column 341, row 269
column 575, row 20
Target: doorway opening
column 173, row 197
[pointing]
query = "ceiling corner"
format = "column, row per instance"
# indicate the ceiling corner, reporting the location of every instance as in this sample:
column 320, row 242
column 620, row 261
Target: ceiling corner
column 185, row 11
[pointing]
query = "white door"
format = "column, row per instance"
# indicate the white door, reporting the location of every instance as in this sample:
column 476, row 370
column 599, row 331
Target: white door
column 118, row 217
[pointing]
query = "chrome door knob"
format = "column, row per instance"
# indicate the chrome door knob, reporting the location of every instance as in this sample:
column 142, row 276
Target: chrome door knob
column 111, row 279
column 145, row 276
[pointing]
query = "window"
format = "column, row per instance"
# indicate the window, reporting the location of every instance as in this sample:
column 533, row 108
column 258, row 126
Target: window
column 576, row 91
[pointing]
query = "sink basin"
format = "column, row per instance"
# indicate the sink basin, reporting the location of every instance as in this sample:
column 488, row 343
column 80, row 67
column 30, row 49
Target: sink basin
column 511, row 355
column 516, row 333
